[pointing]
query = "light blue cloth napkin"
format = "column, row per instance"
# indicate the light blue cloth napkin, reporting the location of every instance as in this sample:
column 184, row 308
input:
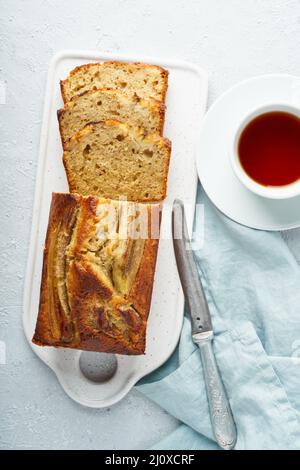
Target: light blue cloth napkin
column 252, row 284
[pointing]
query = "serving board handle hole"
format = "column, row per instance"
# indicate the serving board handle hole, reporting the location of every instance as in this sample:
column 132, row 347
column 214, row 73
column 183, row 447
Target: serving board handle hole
column 98, row 367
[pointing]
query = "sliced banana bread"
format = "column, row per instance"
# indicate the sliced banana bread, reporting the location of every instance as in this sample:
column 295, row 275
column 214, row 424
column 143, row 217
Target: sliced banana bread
column 147, row 81
column 103, row 104
column 111, row 159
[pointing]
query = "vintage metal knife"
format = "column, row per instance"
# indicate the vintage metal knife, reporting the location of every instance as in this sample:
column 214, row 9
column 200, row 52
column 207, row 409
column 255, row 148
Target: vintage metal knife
column 202, row 331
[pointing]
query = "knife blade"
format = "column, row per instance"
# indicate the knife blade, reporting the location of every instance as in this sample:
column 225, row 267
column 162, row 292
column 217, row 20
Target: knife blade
column 202, row 330
column 188, row 273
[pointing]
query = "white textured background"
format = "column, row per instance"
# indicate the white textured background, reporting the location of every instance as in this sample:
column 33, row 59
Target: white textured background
column 232, row 40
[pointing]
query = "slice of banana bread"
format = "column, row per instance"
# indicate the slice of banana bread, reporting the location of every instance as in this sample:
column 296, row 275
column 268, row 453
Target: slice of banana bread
column 103, row 104
column 111, row 159
column 147, row 81
column 98, row 270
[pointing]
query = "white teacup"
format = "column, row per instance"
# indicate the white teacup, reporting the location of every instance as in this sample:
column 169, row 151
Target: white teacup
column 272, row 192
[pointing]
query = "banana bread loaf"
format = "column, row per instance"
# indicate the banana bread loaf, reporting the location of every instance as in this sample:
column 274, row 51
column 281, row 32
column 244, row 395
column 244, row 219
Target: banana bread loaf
column 97, row 278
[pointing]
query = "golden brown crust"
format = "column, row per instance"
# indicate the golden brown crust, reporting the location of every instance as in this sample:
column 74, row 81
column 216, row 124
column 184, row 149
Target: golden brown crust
column 87, row 300
column 164, row 74
column 60, row 113
column 142, row 289
column 49, row 327
column 62, row 90
column 165, row 183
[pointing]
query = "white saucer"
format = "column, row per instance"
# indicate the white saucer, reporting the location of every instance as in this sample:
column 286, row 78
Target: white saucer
column 213, row 162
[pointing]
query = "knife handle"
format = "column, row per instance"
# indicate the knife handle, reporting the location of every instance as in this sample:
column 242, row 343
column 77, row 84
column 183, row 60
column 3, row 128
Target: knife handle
column 220, row 412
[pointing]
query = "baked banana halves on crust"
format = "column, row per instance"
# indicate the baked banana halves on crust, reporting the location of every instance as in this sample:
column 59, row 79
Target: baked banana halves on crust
column 98, row 271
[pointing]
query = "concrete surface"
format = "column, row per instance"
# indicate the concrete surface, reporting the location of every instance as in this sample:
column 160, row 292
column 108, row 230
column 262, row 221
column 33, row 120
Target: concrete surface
column 233, row 40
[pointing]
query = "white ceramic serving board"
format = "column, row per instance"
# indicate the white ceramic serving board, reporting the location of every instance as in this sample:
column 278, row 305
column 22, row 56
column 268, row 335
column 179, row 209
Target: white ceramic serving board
column 186, row 102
